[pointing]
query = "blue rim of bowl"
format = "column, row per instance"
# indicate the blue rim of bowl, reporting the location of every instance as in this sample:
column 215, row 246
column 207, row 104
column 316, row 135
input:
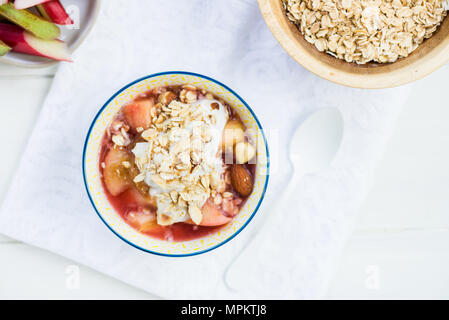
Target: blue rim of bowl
column 266, row 150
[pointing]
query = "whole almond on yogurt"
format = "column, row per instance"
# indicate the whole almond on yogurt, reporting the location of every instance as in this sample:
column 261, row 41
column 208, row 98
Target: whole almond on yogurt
column 241, row 180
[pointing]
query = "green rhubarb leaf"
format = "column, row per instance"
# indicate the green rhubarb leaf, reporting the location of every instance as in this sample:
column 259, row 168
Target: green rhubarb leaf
column 29, row 21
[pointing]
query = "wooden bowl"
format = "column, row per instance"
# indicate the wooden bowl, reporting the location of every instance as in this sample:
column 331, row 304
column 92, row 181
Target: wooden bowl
column 429, row 56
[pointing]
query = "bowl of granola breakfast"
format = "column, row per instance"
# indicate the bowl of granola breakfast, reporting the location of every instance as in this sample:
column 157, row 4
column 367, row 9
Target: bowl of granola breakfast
column 362, row 43
column 176, row 164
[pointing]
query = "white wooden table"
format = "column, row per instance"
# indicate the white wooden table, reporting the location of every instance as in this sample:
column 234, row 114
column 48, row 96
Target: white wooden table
column 399, row 249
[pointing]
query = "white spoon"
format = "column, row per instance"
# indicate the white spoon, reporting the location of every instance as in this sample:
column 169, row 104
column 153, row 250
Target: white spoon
column 312, row 148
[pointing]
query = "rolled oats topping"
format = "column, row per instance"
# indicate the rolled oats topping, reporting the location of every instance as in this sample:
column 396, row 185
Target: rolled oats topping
column 181, row 156
column 363, row 31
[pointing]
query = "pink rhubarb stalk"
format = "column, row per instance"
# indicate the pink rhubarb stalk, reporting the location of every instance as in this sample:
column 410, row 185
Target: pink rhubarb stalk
column 24, row 4
column 54, row 11
column 24, row 42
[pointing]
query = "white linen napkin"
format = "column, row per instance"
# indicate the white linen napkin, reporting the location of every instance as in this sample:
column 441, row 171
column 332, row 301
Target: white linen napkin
column 47, row 205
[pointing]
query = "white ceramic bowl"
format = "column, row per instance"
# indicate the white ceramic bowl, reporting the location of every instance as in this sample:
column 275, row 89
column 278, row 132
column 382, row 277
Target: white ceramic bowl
column 87, row 10
column 113, row 220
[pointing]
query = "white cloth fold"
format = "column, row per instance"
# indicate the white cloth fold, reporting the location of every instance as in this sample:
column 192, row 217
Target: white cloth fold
column 47, row 205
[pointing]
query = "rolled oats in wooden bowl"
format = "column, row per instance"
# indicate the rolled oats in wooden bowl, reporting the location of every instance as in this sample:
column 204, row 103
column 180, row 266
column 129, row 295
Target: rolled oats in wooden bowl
column 365, row 31
column 366, row 44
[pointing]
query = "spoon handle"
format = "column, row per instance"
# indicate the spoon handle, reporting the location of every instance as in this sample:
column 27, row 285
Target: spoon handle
column 273, row 217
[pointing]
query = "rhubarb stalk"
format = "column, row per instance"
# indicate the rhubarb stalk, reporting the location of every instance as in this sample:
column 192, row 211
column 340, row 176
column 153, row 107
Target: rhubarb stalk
column 25, row 42
column 24, row 4
column 31, row 22
column 54, row 11
column 4, row 48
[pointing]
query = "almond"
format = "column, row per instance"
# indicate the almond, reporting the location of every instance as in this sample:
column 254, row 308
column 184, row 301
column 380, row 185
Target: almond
column 244, row 152
column 241, row 180
column 233, row 133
